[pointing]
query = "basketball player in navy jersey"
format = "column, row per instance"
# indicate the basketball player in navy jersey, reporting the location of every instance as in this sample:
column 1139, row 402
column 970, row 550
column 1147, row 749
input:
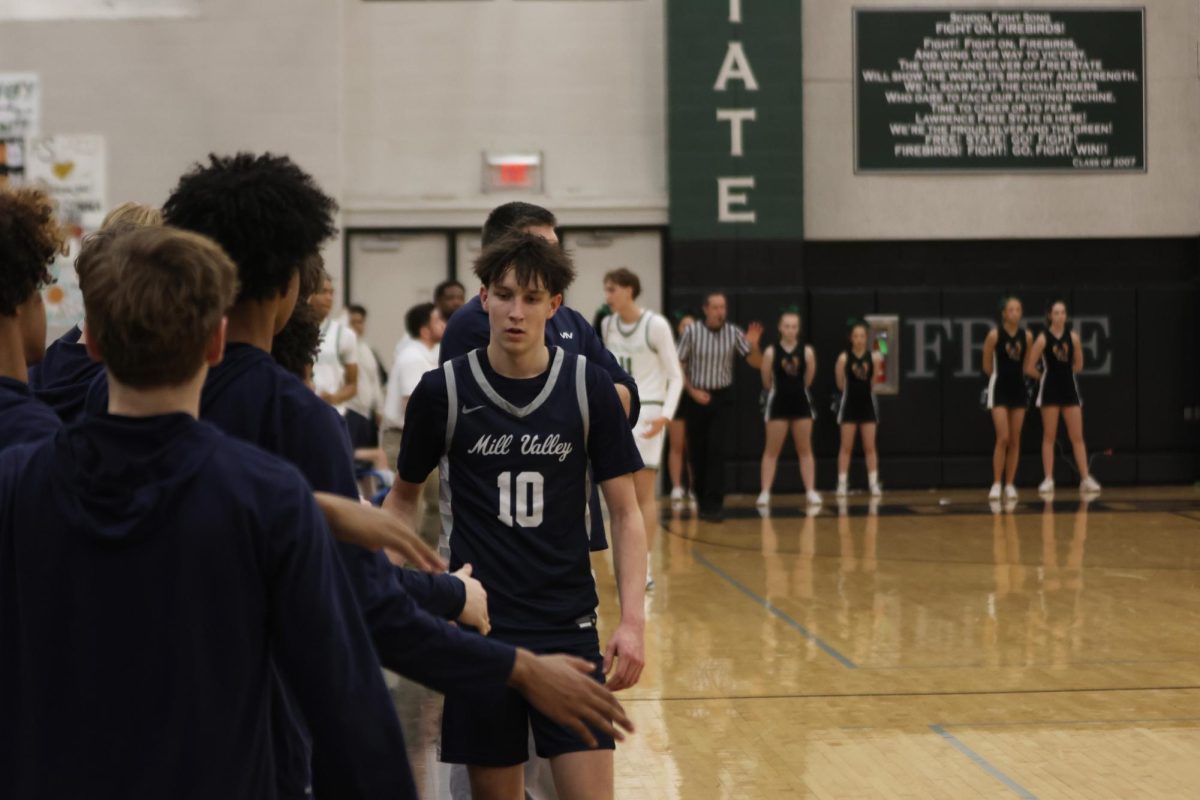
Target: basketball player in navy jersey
column 1061, row 355
column 515, row 427
column 859, row 411
column 1004, row 352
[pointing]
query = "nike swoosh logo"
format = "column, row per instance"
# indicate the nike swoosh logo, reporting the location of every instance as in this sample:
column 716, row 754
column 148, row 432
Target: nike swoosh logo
column 466, row 410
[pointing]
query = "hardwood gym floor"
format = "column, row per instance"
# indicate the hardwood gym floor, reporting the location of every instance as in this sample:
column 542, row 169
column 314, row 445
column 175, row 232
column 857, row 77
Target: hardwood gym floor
column 922, row 646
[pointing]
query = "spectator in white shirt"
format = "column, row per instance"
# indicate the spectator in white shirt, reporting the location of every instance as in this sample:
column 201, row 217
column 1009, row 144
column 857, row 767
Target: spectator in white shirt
column 335, row 375
column 425, row 327
column 364, row 411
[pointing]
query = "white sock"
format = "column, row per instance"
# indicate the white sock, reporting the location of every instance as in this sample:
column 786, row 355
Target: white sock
column 873, row 477
column 843, row 478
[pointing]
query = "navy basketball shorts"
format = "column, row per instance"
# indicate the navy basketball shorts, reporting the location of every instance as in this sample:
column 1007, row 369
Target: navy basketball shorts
column 491, row 728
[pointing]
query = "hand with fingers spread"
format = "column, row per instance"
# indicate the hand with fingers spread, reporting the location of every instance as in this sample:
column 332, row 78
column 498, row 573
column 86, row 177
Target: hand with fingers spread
column 369, row 527
column 475, row 609
column 627, row 654
column 754, row 332
column 562, row 688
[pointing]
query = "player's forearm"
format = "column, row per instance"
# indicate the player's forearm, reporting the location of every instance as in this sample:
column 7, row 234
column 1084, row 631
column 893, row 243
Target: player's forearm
column 629, row 562
column 755, row 358
column 347, row 392
column 402, row 501
column 336, row 510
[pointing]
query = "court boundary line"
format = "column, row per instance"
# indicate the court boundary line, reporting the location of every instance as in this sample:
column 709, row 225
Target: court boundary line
column 876, row 695
column 983, row 763
column 778, row 613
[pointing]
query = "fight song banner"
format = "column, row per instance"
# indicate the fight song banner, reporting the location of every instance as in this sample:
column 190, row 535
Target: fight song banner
column 734, row 119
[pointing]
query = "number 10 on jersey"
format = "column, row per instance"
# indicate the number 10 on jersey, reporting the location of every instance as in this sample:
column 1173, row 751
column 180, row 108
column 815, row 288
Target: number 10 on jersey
column 528, row 500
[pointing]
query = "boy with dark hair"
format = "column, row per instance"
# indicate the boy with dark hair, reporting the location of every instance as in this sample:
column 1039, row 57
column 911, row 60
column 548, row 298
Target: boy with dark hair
column 425, row 326
column 30, row 238
column 156, row 572
column 295, row 347
column 537, row 424
column 267, row 208
column 568, row 329
column 449, row 297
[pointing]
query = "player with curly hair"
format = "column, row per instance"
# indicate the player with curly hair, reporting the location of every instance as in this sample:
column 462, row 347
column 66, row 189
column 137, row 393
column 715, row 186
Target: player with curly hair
column 295, row 347
column 30, row 238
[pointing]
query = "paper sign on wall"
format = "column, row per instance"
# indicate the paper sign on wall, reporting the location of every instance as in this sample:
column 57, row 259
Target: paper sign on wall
column 72, row 168
column 20, row 116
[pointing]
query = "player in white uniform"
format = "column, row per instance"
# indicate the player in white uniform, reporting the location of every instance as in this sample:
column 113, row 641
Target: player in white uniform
column 642, row 342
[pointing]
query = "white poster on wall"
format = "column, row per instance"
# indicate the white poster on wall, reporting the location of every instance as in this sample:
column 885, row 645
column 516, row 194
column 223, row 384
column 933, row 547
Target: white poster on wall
column 20, row 116
column 73, row 169
column 97, row 9
column 20, row 104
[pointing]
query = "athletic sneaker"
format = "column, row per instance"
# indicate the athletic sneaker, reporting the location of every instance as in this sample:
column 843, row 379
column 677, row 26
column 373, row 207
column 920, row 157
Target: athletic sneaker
column 764, row 499
column 1047, row 486
column 691, row 498
column 814, row 498
column 1010, row 492
column 843, row 489
column 994, row 494
column 876, row 490
column 1089, row 485
column 677, row 496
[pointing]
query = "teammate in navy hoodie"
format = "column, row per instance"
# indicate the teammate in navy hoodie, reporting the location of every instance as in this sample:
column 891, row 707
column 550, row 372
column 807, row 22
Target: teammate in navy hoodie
column 61, row 379
column 29, row 240
column 155, row 572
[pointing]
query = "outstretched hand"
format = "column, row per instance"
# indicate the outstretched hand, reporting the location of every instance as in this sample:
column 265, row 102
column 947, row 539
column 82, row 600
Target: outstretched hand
column 754, row 332
column 369, row 527
column 475, row 609
column 562, row 688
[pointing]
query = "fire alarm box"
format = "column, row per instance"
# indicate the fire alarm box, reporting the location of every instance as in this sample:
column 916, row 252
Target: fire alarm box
column 884, row 339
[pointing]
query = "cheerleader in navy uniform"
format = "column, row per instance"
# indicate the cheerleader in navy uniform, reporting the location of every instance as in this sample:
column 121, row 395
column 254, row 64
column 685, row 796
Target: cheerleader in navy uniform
column 1061, row 356
column 858, row 411
column 1004, row 352
column 787, row 373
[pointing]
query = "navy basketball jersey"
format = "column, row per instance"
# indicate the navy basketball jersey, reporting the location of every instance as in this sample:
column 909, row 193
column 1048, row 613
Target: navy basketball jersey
column 514, row 490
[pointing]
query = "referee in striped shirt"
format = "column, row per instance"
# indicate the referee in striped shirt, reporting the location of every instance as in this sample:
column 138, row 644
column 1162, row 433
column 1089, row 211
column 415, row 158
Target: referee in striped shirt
column 708, row 352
